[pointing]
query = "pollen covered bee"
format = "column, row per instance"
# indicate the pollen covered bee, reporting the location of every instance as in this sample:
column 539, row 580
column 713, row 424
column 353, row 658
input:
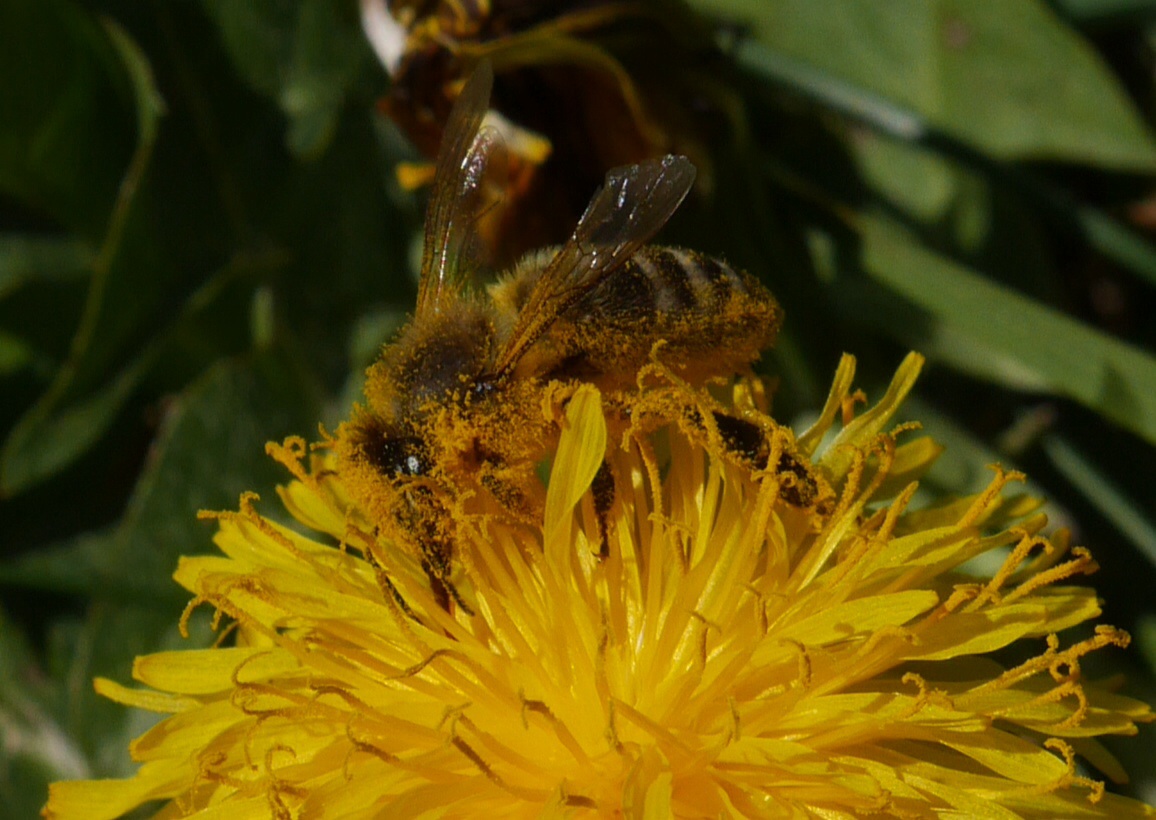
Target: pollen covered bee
column 454, row 409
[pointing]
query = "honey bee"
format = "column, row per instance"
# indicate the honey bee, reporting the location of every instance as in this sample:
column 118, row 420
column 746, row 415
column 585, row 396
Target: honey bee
column 454, row 406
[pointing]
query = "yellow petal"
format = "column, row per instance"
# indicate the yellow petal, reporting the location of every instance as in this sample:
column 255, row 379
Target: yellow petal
column 142, row 698
column 207, row 671
column 580, row 453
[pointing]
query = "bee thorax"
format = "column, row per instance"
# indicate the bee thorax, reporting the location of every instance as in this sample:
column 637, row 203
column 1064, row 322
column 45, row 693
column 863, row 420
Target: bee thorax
column 432, row 362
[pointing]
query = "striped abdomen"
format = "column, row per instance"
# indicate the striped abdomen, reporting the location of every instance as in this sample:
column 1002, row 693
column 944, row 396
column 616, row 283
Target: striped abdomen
column 714, row 320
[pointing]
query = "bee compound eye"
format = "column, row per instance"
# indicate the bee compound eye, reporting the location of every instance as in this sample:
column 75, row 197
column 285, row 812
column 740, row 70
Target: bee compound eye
column 402, row 456
column 483, row 387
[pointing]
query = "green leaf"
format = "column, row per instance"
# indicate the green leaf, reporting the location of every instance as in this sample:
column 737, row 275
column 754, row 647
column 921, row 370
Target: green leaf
column 41, row 444
column 73, row 566
column 1009, row 78
column 1107, row 496
column 211, row 448
column 46, row 438
column 923, row 182
column 26, row 258
column 305, row 55
column 907, row 164
column 63, row 138
column 148, row 109
column 366, row 337
column 15, row 354
column 105, row 643
column 1115, row 241
column 957, row 315
column 258, row 38
column 1146, row 640
column 49, row 437
column 1097, row 11
column 37, row 749
column 965, row 466
column 148, row 103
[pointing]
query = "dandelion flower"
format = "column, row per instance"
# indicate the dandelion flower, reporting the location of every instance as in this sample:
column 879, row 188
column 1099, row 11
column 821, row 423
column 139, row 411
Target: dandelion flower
column 732, row 655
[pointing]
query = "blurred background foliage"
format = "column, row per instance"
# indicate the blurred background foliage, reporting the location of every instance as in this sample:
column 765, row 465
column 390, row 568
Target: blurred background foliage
column 203, row 243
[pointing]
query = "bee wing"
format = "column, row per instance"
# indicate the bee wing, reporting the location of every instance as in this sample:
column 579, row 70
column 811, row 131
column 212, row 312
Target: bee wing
column 633, row 203
column 456, row 199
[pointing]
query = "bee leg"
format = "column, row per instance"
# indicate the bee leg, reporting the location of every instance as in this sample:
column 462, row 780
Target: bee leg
column 457, row 597
column 744, row 439
column 437, row 586
column 803, row 489
column 395, row 594
column 435, row 542
column 388, row 586
column 427, row 520
column 750, row 443
column 506, row 493
column 603, row 490
column 513, row 488
column 443, row 589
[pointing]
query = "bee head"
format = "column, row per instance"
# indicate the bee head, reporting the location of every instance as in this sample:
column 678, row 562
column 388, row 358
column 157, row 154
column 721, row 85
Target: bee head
column 394, row 453
column 402, row 456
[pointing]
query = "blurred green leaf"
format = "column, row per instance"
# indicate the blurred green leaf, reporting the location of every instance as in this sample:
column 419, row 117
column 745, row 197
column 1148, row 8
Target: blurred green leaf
column 36, row 749
column 26, row 258
column 920, row 180
column 62, row 144
column 74, row 566
column 1115, row 241
column 148, row 110
column 1107, row 496
column 45, row 439
column 965, row 465
column 373, row 329
column 959, row 209
column 104, row 643
column 43, row 443
column 1009, row 78
column 148, row 104
column 915, row 165
column 1146, row 639
column 210, row 449
column 986, row 329
column 15, row 354
column 258, row 38
column 1096, row 11
column 48, row 437
column 304, row 55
